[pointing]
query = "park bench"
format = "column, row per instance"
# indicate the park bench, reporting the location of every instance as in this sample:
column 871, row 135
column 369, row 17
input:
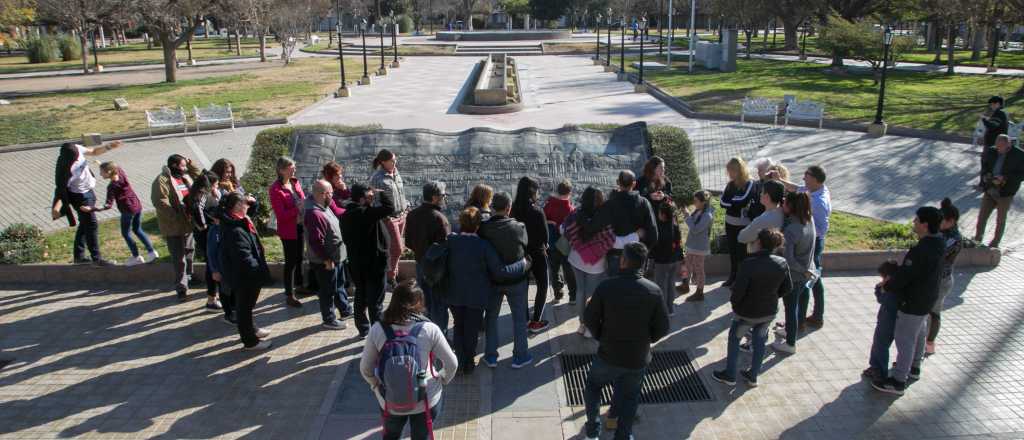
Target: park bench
column 805, row 111
column 166, row 117
column 213, row 114
column 759, row 107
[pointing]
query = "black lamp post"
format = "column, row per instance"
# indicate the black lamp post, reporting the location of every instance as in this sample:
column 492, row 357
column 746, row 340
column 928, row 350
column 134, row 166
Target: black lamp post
column 995, row 48
column 661, row 38
column 608, row 62
column 886, row 44
column 394, row 39
column 622, row 48
column 383, row 70
column 366, row 73
column 95, row 54
column 343, row 90
column 640, row 81
column 597, row 46
column 803, row 42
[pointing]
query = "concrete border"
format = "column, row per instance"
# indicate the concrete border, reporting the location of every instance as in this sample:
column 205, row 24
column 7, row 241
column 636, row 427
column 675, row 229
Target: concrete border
column 160, row 273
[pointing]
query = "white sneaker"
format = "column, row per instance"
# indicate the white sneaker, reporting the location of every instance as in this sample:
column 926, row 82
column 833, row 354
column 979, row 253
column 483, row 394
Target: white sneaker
column 587, row 334
column 780, row 332
column 152, row 256
column 133, row 261
column 262, row 333
column 263, row 345
column 783, row 347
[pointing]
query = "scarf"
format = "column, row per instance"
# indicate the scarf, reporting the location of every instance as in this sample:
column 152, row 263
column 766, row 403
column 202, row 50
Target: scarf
column 592, row 250
column 248, row 221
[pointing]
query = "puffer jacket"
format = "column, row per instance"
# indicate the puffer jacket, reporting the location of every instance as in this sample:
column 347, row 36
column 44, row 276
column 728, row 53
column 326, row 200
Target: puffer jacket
column 761, row 280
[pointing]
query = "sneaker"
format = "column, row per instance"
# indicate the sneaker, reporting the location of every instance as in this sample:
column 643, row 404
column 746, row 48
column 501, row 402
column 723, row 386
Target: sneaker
column 334, row 325
column 720, row 376
column 890, row 385
column 783, row 347
column 929, row 348
column 520, row 364
column 292, row 302
column 587, row 334
column 683, row 288
column 262, row 345
column 582, row 328
column 152, row 256
column 537, row 326
column 872, row 374
column 101, row 262
column 915, row 374
column 262, row 333
column 228, row 320
column 780, row 332
column 133, row 261
column 592, row 431
column 696, row 297
column 745, row 346
column 749, row 377
column 491, row 361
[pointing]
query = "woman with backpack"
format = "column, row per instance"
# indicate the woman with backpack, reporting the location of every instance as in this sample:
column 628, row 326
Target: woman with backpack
column 405, row 341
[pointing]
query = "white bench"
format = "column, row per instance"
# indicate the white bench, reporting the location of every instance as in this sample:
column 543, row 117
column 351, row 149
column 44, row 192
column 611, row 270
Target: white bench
column 213, row 114
column 759, row 107
column 166, row 117
column 805, row 111
column 314, row 39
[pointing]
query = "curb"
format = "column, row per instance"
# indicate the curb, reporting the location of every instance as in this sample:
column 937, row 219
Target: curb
column 86, row 276
column 136, row 134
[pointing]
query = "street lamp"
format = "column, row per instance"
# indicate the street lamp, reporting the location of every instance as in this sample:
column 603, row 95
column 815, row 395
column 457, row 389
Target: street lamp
column 608, row 61
column 622, row 49
column 343, row 91
column 995, row 48
column 640, row 87
column 597, row 46
column 878, row 128
column 803, row 43
column 383, row 69
column 366, row 74
column 394, row 39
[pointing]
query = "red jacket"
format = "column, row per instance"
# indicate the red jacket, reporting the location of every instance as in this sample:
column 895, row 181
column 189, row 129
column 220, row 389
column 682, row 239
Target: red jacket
column 287, row 207
column 556, row 210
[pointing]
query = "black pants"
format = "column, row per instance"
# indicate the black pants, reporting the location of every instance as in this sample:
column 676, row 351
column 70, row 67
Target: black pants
column 369, row 294
column 737, row 250
column 540, row 277
column 292, row 262
column 88, row 233
column 561, row 273
column 200, row 238
column 468, row 322
column 227, row 300
column 245, row 301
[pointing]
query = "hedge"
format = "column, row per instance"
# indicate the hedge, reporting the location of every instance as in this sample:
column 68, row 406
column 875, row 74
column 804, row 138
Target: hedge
column 70, row 47
column 22, row 243
column 40, row 49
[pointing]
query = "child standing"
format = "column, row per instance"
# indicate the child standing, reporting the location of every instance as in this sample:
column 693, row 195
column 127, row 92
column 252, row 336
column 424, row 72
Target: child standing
column 120, row 191
column 885, row 326
column 556, row 209
column 667, row 254
column 698, row 241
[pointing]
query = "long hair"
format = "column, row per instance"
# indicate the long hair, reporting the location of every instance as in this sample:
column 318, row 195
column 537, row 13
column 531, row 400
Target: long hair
column 591, row 199
column 203, row 185
column 651, row 164
column 949, row 211
column 799, row 204
column 480, row 197
column 383, row 155
column 282, row 163
column 527, row 193
column 406, row 301
column 221, row 166
column 738, row 166
column 67, row 157
column 331, row 170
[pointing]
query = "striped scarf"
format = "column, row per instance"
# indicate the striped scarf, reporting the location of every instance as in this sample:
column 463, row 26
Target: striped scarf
column 590, row 251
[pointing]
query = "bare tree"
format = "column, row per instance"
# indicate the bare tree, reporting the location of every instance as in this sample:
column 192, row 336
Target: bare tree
column 173, row 22
column 745, row 15
column 79, row 16
column 289, row 21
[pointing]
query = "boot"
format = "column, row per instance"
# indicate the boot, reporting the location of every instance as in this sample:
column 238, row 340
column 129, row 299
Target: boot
column 696, row 297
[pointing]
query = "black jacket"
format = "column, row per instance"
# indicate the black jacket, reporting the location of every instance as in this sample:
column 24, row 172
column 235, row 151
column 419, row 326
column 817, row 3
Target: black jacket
column 1013, row 170
column 995, row 125
column 644, row 187
column 735, row 199
column 507, row 235
column 626, row 315
column 761, row 280
column 243, row 261
column 536, row 227
column 626, row 213
column 366, row 238
column 670, row 247
column 917, row 280
column 425, row 226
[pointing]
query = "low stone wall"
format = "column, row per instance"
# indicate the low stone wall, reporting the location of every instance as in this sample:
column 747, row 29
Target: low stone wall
column 503, row 35
column 160, row 274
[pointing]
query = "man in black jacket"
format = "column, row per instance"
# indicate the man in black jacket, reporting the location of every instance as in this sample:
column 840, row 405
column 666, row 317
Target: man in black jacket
column 244, row 267
column 996, row 123
column 509, row 238
column 1002, row 169
column 366, row 240
column 626, row 315
column 916, row 284
column 630, row 217
column 425, row 226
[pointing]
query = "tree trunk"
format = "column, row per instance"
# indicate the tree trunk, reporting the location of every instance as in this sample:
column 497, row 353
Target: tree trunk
column 238, row 44
column 330, row 40
column 978, row 42
column 950, row 47
column 170, row 58
column 85, row 51
column 790, row 26
column 930, row 36
column 938, row 46
column 263, row 46
column 748, row 32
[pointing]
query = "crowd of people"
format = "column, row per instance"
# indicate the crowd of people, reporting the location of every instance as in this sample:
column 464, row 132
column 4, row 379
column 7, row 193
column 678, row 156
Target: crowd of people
column 622, row 255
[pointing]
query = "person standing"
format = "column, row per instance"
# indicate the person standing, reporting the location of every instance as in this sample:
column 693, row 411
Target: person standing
column 426, row 225
column 1002, row 170
column 653, row 184
column 244, row 266
column 74, row 193
column 286, row 199
column 333, row 173
column 508, row 237
column 630, row 217
column 556, row 208
column 120, row 191
column 201, row 196
column 771, row 193
column 821, row 212
column 366, row 242
column 387, row 179
column 798, row 233
column 735, row 199
column 326, row 254
column 995, row 120
column 698, row 241
column 587, row 251
column 480, row 198
column 916, row 284
column 762, row 279
column 213, row 259
column 525, row 209
column 168, row 195
column 667, row 254
column 626, row 315
column 954, row 243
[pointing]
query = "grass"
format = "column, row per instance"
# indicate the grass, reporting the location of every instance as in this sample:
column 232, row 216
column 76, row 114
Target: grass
column 270, row 92
column 927, row 101
column 136, row 53
column 1007, row 59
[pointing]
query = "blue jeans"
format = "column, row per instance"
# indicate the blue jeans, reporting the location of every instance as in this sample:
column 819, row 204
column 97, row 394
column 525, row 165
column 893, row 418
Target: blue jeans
column 626, row 384
column 346, row 302
column 885, row 331
column 132, row 223
column 795, row 303
column 393, row 425
column 328, row 294
column 739, row 328
column 819, row 288
column 437, row 307
column 518, row 302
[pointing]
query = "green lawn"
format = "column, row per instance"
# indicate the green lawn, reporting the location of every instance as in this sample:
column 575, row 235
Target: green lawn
column 926, row 101
column 1007, row 59
column 271, row 92
column 136, row 53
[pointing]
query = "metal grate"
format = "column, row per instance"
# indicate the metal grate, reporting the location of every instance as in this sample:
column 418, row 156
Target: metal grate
column 670, row 377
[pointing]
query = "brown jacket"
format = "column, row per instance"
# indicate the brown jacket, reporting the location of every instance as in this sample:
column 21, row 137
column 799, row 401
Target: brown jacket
column 171, row 214
column 425, row 226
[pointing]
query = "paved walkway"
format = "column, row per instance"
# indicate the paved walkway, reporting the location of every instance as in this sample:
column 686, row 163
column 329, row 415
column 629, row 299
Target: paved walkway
column 134, row 363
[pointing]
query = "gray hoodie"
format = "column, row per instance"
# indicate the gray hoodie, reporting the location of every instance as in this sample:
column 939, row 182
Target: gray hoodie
column 799, row 248
column 771, row 219
column 698, row 236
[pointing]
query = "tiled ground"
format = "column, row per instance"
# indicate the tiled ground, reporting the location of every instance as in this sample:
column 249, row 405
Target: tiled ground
column 136, row 364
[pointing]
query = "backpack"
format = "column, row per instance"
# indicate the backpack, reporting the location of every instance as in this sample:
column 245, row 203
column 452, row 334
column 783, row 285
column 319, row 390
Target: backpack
column 402, row 378
column 435, row 265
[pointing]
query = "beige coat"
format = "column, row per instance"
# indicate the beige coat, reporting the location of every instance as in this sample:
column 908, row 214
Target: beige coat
column 171, row 214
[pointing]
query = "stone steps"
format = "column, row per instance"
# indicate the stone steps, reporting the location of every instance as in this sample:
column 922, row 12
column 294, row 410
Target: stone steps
column 510, row 49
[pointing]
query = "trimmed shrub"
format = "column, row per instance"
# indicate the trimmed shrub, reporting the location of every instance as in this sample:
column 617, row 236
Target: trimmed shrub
column 405, row 24
column 892, row 236
column 70, row 47
column 22, row 243
column 40, row 49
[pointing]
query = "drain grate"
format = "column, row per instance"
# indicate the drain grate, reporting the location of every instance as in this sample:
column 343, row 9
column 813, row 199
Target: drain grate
column 670, row 378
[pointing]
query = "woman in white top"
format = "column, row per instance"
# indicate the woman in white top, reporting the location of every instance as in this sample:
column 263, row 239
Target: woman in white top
column 74, row 183
column 404, row 313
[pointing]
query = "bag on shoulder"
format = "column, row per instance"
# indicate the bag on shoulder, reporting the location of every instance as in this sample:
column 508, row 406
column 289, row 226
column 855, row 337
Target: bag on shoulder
column 435, row 265
column 402, row 378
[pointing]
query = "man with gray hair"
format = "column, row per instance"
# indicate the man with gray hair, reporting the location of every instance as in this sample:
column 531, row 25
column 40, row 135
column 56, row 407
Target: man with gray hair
column 426, row 225
column 326, row 253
